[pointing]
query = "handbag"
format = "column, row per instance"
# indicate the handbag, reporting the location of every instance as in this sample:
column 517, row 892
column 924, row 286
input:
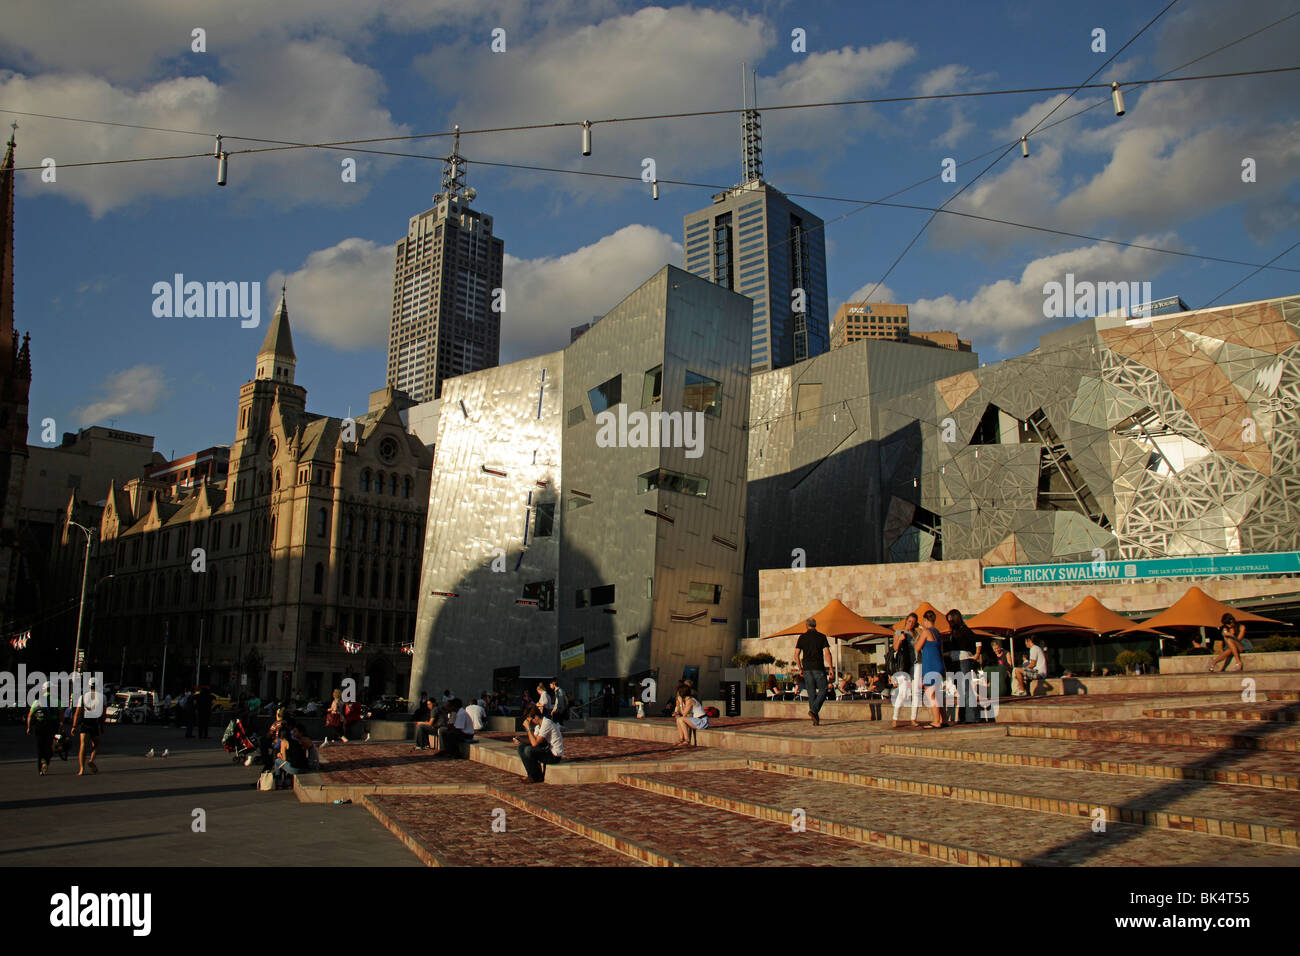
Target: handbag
column 266, row 781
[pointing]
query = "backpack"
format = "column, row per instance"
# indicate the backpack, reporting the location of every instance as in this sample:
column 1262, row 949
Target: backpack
column 712, row 712
column 902, row 659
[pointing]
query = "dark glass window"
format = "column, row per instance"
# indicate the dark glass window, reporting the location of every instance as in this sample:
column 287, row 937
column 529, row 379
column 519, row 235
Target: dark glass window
column 702, row 394
column 652, row 390
column 673, row 481
column 543, row 592
column 704, row 593
column 545, row 520
column 606, row 394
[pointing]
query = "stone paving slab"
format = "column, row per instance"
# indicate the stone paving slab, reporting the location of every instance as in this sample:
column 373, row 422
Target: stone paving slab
column 666, row 832
column 602, row 759
column 799, row 736
column 1248, row 813
column 1210, row 734
column 458, row 831
column 950, row 830
column 350, row 771
column 1273, row 769
column 139, row 811
column 1275, row 712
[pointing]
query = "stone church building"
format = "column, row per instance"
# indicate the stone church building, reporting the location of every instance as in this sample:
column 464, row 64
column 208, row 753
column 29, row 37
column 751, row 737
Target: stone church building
column 312, row 538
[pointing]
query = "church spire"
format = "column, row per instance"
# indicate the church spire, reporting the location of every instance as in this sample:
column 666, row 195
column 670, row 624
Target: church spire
column 276, row 360
column 7, row 177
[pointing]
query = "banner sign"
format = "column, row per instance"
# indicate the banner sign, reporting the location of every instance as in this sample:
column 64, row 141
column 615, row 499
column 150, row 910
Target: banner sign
column 1192, row 566
column 574, row 655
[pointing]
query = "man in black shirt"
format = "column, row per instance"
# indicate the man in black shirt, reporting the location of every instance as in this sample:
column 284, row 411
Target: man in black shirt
column 813, row 655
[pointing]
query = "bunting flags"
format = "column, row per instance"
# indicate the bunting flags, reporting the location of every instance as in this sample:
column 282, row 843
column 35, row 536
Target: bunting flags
column 352, row 647
column 408, row 649
column 20, row 642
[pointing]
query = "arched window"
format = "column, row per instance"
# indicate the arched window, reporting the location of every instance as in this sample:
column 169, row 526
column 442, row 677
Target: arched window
column 388, row 579
column 406, row 527
column 415, row 584
column 347, row 525
column 390, row 531
column 406, row 487
column 277, row 479
column 401, row 583
column 365, row 524
column 392, row 485
column 347, row 577
column 374, row 579
column 379, row 483
column 319, row 582
column 322, row 521
column 365, row 480
column 361, row 579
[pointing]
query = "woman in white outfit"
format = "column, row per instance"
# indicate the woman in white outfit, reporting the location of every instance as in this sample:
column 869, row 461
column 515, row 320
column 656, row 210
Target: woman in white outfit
column 908, row 686
column 689, row 715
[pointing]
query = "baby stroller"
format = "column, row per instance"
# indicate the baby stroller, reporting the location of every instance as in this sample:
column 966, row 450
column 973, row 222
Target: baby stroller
column 239, row 741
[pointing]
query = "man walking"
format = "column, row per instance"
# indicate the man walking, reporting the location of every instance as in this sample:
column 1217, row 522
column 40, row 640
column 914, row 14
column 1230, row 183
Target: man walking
column 203, row 709
column 560, row 709
column 813, row 655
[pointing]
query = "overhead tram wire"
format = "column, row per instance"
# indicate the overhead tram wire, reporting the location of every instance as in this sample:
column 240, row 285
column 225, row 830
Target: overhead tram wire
column 274, row 145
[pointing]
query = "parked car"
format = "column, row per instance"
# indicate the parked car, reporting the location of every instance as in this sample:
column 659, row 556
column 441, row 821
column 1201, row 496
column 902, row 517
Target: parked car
column 134, row 707
column 386, row 705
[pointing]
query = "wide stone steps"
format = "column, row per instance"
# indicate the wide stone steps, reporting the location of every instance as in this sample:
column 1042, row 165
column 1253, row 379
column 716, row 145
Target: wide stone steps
column 941, row 829
column 1208, row 734
column 1273, row 769
column 459, row 831
column 1275, row 712
column 662, row 831
column 1248, row 813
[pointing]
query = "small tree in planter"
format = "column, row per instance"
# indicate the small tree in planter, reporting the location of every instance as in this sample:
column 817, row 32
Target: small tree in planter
column 1131, row 659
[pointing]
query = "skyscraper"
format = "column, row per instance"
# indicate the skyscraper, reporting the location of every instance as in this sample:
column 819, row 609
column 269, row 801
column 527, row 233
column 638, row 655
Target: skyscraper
column 445, row 281
column 757, row 242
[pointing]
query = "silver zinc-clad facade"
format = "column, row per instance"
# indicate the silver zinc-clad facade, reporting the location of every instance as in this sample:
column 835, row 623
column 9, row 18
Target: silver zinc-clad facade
column 815, row 493
column 587, row 512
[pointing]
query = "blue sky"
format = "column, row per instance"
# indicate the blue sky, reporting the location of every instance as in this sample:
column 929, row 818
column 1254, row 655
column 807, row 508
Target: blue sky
column 91, row 245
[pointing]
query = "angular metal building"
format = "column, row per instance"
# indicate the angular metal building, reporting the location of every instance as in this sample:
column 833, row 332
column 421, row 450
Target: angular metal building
column 563, row 537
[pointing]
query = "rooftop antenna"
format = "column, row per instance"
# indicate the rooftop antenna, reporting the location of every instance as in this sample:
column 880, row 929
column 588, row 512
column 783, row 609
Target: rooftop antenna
column 453, row 171
column 751, row 131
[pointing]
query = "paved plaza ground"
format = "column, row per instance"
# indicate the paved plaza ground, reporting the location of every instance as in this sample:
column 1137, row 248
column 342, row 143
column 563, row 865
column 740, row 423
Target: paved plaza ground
column 1164, row 779
column 138, row 811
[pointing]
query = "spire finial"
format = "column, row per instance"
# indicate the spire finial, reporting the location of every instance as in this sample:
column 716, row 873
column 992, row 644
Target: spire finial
column 751, row 132
column 13, row 129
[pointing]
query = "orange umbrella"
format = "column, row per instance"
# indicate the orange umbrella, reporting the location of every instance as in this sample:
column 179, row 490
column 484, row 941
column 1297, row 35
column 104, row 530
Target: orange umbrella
column 1197, row 609
column 940, row 620
column 1096, row 617
column 1009, row 613
column 837, row 620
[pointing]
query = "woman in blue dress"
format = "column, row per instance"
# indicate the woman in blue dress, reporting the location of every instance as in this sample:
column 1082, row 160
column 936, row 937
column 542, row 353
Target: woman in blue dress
column 930, row 650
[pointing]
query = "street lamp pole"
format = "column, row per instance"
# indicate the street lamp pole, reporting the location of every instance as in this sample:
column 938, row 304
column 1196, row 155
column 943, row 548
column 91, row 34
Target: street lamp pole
column 81, row 611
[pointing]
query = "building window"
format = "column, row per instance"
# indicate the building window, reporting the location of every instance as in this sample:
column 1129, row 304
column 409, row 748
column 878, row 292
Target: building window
column 406, row 527
column 388, row 579
column 392, row 485
column 379, row 483
column 277, row 479
column 365, row 524
column 406, row 487
column 346, row 586
column 361, row 579
column 318, row 583
column 702, row 394
column 606, row 394
column 652, row 389
column 544, row 521
column 543, row 592
column 374, row 580
column 576, row 415
column 704, row 593
column 594, row 597
column 347, row 525
column 365, row 480
column 390, row 531
column 322, row 522
column 673, row 481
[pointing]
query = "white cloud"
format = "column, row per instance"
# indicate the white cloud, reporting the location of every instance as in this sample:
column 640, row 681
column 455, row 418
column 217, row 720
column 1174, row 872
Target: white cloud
column 1008, row 313
column 139, row 389
column 342, row 295
column 655, row 60
column 546, row 297
column 307, row 91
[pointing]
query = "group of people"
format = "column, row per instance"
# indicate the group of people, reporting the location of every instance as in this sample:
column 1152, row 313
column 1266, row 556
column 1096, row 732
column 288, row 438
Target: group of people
column 921, row 661
column 192, row 709
column 344, row 721
column 450, row 724
column 49, row 721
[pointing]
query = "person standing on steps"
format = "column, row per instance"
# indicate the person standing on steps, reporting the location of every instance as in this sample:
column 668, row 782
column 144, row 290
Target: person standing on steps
column 906, row 669
column 813, row 655
column 930, row 652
